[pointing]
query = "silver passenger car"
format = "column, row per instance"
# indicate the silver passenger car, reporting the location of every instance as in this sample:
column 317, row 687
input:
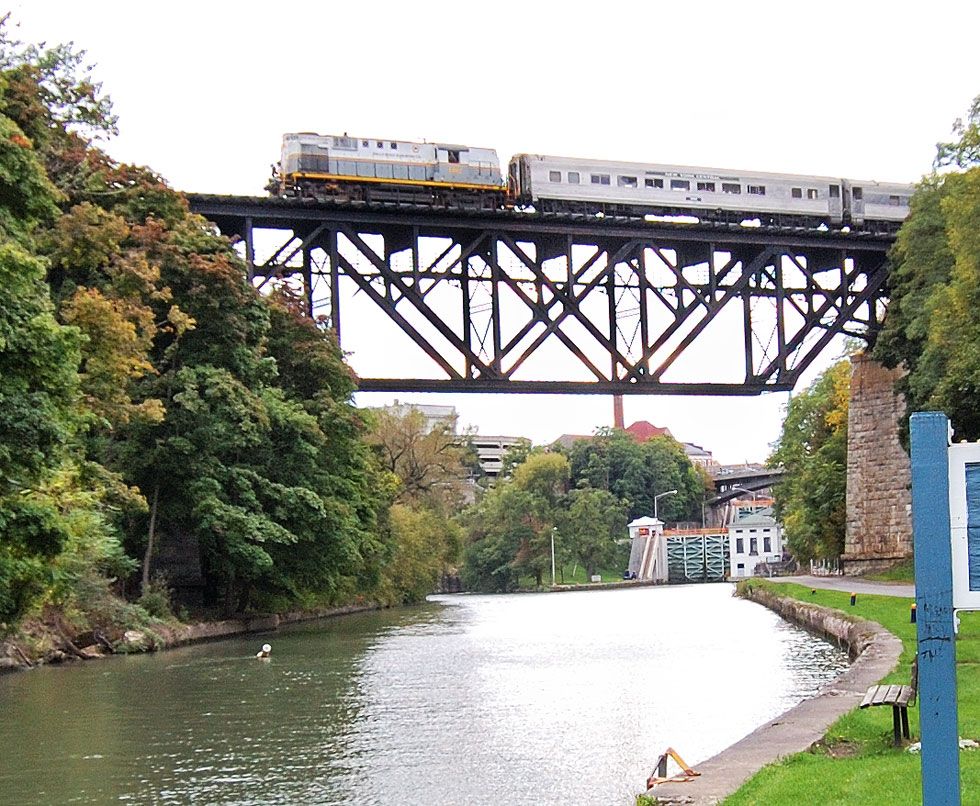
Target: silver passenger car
column 564, row 184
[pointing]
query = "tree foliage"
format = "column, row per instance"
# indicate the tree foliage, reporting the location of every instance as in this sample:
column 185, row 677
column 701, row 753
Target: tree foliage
column 932, row 327
column 509, row 532
column 812, row 450
column 636, row 472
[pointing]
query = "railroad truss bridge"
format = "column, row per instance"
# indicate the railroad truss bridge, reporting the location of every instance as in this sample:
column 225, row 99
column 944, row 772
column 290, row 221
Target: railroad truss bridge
column 521, row 302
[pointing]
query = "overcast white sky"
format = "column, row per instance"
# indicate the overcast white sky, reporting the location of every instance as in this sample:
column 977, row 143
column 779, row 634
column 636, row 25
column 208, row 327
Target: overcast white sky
column 204, row 91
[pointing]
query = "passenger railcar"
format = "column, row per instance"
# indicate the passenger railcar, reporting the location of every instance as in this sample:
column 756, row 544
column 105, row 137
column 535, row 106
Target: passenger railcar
column 370, row 169
column 563, row 184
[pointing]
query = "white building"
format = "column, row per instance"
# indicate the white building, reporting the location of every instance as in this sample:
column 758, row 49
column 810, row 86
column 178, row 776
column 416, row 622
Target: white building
column 490, row 451
column 648, row 550
column 435, row 416
column 753, row 539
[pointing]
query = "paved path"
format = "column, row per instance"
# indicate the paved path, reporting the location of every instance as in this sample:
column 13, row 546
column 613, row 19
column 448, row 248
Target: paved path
column 853, row 585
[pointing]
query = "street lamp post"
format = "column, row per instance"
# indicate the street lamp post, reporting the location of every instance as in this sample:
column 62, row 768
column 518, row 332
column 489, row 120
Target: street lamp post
column 656, row 498
column 553, row 530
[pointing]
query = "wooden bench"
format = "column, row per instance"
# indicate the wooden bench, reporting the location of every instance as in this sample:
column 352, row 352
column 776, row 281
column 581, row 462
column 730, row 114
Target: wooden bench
column 899, row 698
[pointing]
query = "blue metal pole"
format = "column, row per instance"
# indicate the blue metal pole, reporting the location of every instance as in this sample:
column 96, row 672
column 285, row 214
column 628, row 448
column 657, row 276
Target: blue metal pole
column 934, row 608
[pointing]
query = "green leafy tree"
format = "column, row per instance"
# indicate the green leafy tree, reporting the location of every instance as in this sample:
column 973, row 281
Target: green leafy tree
column 812, row 450
column 636, row 472
column 589, row 523
column 932, row 324
column 38, row 419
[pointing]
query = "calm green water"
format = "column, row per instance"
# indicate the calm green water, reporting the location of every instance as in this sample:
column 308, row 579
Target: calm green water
column 525, row 699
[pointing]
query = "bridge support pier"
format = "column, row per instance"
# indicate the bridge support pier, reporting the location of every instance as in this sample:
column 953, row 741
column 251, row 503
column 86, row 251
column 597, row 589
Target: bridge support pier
column 879, row 476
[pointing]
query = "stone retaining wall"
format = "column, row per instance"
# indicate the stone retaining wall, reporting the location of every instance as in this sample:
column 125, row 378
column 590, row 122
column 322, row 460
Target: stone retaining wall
column 879, row 477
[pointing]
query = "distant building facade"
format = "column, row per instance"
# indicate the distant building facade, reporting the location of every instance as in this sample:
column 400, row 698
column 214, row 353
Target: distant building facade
column 435, row 416
column 700, row 457
column 754, row 538
column 490, row 450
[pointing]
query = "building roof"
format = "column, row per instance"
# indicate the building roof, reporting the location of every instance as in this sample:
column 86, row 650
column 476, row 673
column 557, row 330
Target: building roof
column 764, row 517
column 567, row 440
column 642, row 431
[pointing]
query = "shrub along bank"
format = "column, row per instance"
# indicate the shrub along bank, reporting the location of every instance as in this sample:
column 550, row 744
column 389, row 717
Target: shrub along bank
column 856, row 762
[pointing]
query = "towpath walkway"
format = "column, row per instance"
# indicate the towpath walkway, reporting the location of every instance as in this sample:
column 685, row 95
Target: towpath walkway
column 853, row 585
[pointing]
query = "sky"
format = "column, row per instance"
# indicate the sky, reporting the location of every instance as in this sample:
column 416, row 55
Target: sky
column 205, row 90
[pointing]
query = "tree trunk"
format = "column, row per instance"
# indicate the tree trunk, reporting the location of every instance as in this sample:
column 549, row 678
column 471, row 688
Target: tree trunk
column 148, row 555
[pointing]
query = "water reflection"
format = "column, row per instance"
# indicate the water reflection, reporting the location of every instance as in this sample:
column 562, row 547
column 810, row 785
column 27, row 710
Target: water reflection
column 547, row 698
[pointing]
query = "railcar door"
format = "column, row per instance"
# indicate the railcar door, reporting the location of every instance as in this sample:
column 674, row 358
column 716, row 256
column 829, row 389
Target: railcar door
column 835, row 209
column 857, row 204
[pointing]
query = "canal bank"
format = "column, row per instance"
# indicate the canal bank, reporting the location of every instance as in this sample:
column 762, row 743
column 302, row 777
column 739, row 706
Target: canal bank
column 95, row 645
column 875, row 653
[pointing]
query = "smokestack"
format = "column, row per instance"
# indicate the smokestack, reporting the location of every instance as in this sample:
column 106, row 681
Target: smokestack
column 618, row 421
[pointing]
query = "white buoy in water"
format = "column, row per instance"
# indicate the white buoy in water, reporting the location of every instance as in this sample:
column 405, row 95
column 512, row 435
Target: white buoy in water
column 265, row 652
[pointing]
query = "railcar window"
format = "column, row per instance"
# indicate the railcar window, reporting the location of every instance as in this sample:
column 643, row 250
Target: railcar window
column 573, row 177
column 380, row 144
column 364, row 143
column 654, row 183
column 627, row 181
column 812, row 193
column 796, row 193
column 709, row 186
column 600, row 179
column 554, row 176
column 835, row 191
column 857, row 194
column 756, row 190
column 896, row 200
column 731, row 187
column 680, row 184
column 394, row 145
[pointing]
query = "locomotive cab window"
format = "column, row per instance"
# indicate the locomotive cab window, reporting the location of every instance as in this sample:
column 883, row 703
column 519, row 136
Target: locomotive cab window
column 627, row 181
column 756, row 190
column 680, row 184
column 731, row 187
column 653, row 183
column 796, row 193
column 453, row 156
column 573, row 177
column 554, row 176
column 709, row 186
column 600, row 179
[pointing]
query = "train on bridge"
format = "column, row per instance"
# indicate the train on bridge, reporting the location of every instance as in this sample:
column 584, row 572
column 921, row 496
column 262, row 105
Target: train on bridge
column 349, row 169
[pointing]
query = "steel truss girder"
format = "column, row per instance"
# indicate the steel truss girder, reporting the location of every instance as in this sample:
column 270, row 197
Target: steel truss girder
column 663, row 285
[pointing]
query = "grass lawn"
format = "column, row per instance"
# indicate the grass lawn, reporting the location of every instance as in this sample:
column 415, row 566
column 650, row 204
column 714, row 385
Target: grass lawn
column 573, row 575
column 856, row 763
column 900, row 572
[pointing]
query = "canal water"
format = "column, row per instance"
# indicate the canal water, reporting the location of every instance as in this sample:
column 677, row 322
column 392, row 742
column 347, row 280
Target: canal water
column 520, row 699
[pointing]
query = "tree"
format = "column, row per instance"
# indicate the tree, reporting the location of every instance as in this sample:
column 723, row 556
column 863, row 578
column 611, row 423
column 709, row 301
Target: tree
column 932, row 323
column 812, row 450
column 963, row 152
column 589, row 523
column 637, row 472
column 428, row 462
column 38, row 420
